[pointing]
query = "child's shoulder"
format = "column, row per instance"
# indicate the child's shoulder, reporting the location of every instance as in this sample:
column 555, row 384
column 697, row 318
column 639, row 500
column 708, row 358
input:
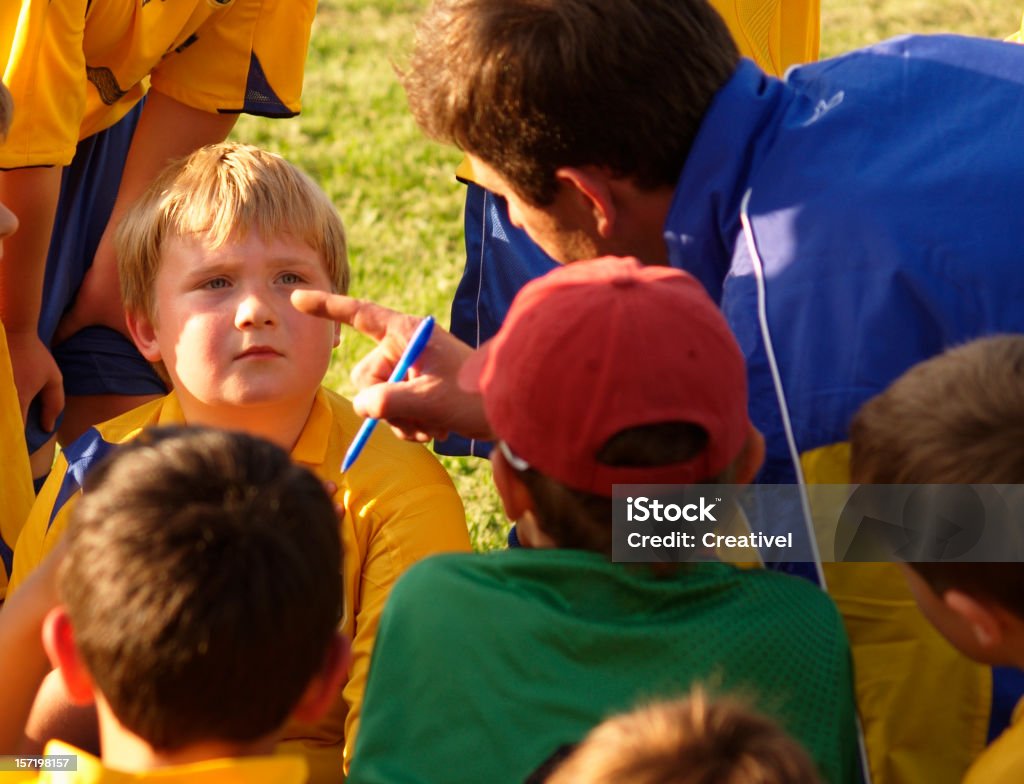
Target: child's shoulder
column 384, row 455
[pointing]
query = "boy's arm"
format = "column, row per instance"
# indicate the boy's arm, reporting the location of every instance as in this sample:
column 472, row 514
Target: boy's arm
column 32, row 195
column 24, row 661
column 167, row 130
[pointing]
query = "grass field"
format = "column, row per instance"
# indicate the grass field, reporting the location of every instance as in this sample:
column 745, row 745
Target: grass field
column 395, row 189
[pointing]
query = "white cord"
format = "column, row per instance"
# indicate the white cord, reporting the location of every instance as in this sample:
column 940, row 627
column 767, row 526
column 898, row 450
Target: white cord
column 780, row 393
column 794, row 455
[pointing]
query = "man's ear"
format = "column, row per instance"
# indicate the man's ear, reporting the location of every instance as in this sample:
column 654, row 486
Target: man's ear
column 593, row 185
column 515, row 498
column 751, row 457
column 323, row 690
column 59, row 644
column 143, row 332
column 983, row 620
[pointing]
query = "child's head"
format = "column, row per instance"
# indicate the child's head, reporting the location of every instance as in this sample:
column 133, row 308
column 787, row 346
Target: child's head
column 957, row 418
column 208, row 258
column 691, row 741
column 217, row 195
column 201, row 591
column 530, row 86
column 610, row 372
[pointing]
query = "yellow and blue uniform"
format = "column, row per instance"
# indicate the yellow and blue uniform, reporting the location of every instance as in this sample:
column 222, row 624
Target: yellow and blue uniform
column 281, row 769
column 501, row 258
column 847, row 238
column 1004, row 759
column 15, row 474
column 400, row 506
column 78, row 70
column 76, row 67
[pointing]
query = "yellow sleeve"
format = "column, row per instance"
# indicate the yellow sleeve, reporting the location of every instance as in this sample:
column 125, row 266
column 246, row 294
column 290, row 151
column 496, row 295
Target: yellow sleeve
column 774, row 33
column 45, row 72
column 1017, row 37
column 250, row 58
column 15, row 473
column 913, row 732
column 39, row 535
column 425, row 520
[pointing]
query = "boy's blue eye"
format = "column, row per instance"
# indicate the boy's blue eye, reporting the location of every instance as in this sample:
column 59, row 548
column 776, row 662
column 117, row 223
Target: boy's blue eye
column 216, row 283
column 290, row 278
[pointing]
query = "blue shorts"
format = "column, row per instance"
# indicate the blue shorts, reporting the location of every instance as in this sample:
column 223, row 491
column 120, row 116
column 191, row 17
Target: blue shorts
column 500, row 260
column 97, row 360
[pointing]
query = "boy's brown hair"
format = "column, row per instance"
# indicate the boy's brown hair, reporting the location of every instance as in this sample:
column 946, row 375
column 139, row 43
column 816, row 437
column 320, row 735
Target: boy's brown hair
column 202, row 581
column 582, row 521
column 957, row 418
column 529, row 86
column 691, row 741
column 219, row 192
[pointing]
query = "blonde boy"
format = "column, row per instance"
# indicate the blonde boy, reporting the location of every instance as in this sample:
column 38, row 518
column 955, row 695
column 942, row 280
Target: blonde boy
column 959, row 418
column 208, row 260
column 688, row 741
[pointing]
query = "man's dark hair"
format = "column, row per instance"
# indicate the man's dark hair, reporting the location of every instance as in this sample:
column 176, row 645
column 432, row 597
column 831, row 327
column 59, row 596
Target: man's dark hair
column 529, row 86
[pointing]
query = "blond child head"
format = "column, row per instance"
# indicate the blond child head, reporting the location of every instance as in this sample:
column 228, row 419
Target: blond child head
column 208, row 259
column 690, row 741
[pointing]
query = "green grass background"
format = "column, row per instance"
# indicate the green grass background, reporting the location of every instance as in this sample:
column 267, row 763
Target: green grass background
column 395, row 189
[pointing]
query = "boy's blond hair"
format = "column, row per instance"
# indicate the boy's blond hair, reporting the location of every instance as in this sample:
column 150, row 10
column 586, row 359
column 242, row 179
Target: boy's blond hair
column 217, row 193
column 689, row 741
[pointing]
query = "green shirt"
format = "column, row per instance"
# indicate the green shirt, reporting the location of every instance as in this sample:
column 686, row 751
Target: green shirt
column 485, row 665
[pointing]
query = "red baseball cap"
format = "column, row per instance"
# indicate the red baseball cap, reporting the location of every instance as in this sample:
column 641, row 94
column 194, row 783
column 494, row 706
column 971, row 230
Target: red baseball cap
column 597, row 347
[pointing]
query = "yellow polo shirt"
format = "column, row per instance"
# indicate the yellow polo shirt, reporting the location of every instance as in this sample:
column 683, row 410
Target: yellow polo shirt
column 1003, row 761
column 400, row 506
column 281, row 769
column 15, row 474
column 76, row 67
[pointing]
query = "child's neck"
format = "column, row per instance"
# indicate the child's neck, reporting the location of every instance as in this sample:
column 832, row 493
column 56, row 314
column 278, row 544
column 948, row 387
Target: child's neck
column 127, row 752
column 280, row 423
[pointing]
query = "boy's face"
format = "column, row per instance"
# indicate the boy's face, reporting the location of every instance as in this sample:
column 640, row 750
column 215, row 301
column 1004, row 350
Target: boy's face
column 225, row 328
column 950, row 624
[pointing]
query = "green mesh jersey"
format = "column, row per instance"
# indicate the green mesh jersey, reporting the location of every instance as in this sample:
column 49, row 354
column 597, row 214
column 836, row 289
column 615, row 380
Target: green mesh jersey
column 486, row 665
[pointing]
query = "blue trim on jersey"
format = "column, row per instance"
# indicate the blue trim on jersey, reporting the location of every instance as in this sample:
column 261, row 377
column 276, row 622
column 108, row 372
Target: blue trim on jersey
column 95, row 361
column 260, row 98
column 500, row 260
column 81, row 456
column 7, row 556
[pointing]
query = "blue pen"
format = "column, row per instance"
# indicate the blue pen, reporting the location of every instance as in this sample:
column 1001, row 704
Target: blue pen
column 412, row 352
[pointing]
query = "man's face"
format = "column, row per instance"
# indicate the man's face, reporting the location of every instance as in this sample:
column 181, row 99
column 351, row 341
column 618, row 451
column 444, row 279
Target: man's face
column 559, row 228
column 225, row 328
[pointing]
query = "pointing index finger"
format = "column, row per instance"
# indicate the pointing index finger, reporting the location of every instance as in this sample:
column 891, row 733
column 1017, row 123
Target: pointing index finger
column 366, row 317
